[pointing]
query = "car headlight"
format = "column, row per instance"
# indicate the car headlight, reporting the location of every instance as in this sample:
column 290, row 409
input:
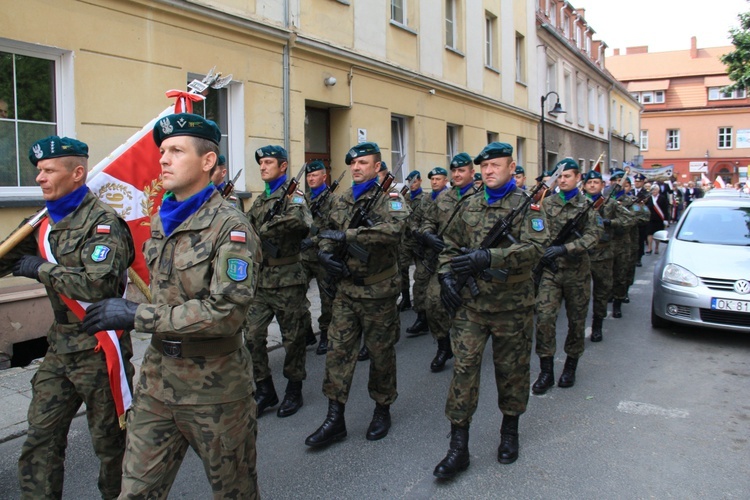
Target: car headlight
column 679, row 276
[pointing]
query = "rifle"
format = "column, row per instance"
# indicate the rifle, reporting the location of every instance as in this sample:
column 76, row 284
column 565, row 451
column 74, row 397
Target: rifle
column 269, row 249
column 315, row 207
column 361, row 218
column 229, row 187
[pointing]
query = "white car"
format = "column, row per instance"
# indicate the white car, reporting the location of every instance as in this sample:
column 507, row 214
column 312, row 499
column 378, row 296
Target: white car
column 703, row 277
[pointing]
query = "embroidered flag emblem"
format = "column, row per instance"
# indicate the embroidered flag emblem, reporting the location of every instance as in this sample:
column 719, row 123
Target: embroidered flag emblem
column 537, row 224
column 535, row 207
column 100, row 253
column 396, row 205
column 298, row 199
column 393, row 195
column 103, row 229
column 238, row 236
column 237, row 269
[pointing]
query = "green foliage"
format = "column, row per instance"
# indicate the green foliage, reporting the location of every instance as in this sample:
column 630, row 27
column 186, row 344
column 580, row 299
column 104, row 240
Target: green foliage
column 738, row 61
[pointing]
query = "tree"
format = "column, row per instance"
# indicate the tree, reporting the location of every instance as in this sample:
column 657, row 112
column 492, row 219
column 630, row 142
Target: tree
column 738, row 61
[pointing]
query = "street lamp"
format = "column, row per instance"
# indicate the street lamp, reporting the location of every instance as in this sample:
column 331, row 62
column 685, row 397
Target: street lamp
column 624, row 143
column 556, row 110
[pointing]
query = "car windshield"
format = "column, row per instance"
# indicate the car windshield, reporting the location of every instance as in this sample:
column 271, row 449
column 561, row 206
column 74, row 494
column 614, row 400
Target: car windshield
column 717, row 225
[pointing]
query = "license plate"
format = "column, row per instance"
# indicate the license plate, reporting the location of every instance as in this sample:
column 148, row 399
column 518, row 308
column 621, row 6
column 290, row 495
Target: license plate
column 730, row 305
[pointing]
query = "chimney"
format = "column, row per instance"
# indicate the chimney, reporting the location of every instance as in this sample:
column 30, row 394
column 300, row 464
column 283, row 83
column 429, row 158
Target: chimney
column 617, row 52
column 693, row 47
column 582, row 13
column 640, row 49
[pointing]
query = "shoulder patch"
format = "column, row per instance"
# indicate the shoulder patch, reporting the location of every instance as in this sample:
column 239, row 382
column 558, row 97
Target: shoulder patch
column 298, row 199
column 103, row 229
column 537, row 224
column 100, row 253
column 535, row 207
column 238, row 236
column 397, row 205
column 393, row 194
column 237, row 269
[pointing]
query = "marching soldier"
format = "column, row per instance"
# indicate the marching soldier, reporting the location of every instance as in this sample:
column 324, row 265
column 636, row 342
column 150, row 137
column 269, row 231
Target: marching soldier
column 626, row 247
column 282, row 286
column 196, row 385
column 406, row 254
column 88, row 250
column 520, row 177
column 219, row 175
column 640, row 184
column 502, row 311
column 571, row 281
column 365, row 301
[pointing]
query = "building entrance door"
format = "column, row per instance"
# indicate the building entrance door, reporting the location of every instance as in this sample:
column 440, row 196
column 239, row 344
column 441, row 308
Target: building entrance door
column 317, row 137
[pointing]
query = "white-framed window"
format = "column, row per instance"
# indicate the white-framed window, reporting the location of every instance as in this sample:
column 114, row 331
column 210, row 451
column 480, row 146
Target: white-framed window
column 490, row 40
column 588, row 45
column 622, row 118
column 520, row 58
column 451, row 142
column 492, row 137
column 581, row 101
column 647, row 97
column 566, row 26
column 602, row 108
column 398, row 11
column 36, row 101
column 717, row 94
column 520, row 152
column 673, row 139
column 613, row 117
column 725, row 138
column 581, row 164
column 578, row 36
column 592, row 105
column 568, row 81
column 551, row 76
column 450, row 24
column 399, row 147
column 552, row 13
column 659, row 96
column 636, row 96
column 644, row 140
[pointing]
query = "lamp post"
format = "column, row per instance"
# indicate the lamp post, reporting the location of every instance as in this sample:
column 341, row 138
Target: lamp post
column 556, row 110
column 624, row 143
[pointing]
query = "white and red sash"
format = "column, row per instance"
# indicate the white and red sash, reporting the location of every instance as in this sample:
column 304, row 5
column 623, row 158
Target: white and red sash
column 108, row 341
column 654, row 201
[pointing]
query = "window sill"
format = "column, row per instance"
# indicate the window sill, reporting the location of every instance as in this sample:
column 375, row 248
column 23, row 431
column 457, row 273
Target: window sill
column 492, row 68
column 21, row 202
column 404, row 27
column 521, row 83
column 343, row 2
column 455, row 51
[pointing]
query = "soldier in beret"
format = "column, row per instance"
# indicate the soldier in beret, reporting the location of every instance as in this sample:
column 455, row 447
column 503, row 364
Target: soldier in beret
column 282, row 290
column 502, row 311
column 406, row 252
column 520, row 177
column 365, row 302
column 639, row 181
column 219, row 175
column 196, row 385
column 570, row 282
column 478, row 180
column 90, row 249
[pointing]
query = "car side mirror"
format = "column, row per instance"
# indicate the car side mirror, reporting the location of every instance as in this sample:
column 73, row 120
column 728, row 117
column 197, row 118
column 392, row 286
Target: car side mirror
column 661, row 236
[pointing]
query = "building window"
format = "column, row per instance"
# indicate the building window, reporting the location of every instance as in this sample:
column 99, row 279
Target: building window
column 566, row 26
column 592, row 106
column 399, row 148
column 451, row 142
column 659, row 96
column 398, row 11
column 490, row 40
column 520, row 151
column 716, row 94
column 725, row 137
column 581, row 102
column 582, row 164
column 450, row 23
column 636, row 96
column 492, row 137
column 673, row 139
column 568, row 80
column 520, row 58
column 613, row 118
column 551, row 76
column 588, row 45
column 647, row 97
column 552, row 13
column 644, row 140
column 602, row 108
column 579, row 36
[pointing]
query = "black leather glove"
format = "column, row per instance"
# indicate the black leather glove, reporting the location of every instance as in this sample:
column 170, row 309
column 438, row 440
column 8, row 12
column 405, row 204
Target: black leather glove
column 553, row 252
column 110, row 314
column 472, row 262
column 606, row 222
column 333, row 235
column 449, row 295
column 306, row 244
column 333, row 267
column 433, row 241
column 28, row 266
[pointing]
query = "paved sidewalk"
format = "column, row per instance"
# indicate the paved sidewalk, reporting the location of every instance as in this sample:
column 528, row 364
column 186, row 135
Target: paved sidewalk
column 15, row 383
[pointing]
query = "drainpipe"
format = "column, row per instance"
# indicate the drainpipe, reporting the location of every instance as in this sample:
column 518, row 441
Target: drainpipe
column 285, row 80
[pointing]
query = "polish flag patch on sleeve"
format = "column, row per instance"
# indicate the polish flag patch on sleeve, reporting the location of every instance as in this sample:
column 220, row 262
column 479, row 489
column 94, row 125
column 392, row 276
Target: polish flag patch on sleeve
column 535, row 207
column 103, row 229
column 238, row 236
column 393, row 195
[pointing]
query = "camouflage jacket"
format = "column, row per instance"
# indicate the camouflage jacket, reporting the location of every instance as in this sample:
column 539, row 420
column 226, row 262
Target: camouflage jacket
column 281, row 235
column 619, row 218
column 203, row 279
column 318, row 220
column 438, row 213
column 558, row 213
column 381, row 241
column 640, row 212
column 93, row 248
column 530, row 231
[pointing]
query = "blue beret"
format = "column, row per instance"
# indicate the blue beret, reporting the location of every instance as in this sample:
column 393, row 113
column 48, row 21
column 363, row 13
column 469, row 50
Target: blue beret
column 616, row 174
column 567, row 164
column 477, row 176
column 593, row 174
column 460, row 160
column 639, row 177
column 271, row 152
column 314, row 166
column 186, row 124
column 222, row 161
column 437, row 171
column 494, row 150
column 361, row 149
column 414, row 174
column 520, row 170
column 56, row 147
column 383, row 167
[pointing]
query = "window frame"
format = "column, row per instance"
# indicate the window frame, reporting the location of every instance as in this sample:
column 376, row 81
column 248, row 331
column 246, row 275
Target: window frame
column 452, row 141
column 647, row 97
column 450, row 24
column 673, row 139
column 725, row 134
column 660, row 96
column 402, row 126
column 490, row 40
column 520, row 47
column 403, row 4
column 644, row 140
column 716, row 94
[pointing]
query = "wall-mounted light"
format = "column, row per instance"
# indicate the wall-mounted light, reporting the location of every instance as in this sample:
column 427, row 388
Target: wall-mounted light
column 432, row 91
column 330, row 81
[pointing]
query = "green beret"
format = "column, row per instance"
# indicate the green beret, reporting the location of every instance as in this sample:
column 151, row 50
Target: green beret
column 460, row 160
column 616, row 174
column 186, row 124
column 314, row 166
column 56, row 147
column 567, row 164
column 271, row 152
column 222, row 161
column 639, row 177
column 520, row 170
column 593, row 174
column 361, row 149
column 414, row 174
column 383, row 167
column 477, row 176
column 494, row 150
column 437, row 171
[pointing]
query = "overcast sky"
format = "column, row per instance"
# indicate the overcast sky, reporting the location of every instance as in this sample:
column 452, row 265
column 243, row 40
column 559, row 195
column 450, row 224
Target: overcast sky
column 663, row 25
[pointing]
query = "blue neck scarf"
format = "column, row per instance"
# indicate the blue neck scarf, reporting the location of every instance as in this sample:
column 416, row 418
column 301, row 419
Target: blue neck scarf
column 315, row 192
column 173, row 212
column 619, row 194
column 220, row 187
column 360, row 189
column 65, row 205
column 416, row 193
column 274, row 185
column 435, row 194
column 493, row 195
column 594, row 197
column 462, row 191
column 567, row 196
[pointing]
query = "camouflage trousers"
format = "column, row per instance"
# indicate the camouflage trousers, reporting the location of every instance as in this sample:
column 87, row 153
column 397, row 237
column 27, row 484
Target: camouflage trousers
column 378, row 321
column 314, row 270
column 437, row 317
column 223, row 435
column 405, row 259
column 511, row 334
column 634, row 256
column 572, row 284
column 419, row 290
column 601, row 284
column 289, row 304
column 60, row 385
column 623, row 266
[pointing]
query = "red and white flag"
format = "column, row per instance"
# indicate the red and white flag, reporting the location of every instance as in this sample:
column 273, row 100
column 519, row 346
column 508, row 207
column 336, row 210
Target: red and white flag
column 704, row 180
column 719, row 182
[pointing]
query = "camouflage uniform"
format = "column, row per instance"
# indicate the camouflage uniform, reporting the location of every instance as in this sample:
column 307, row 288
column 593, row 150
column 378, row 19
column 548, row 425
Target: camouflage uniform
column 421, row 274
column 624, row 241
column 196, row 384
column 282, row 286
column 641, row 216
column 72, row 372
column 503, row 311
column 365, row 302
column 312, row 266
column 571, row 282
column 406, row 255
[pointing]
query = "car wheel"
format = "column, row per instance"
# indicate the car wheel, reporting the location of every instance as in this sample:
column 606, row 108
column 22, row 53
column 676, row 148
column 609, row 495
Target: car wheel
column 657, row 321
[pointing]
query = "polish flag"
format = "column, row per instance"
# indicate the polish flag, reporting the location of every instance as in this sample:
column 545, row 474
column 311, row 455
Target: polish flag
column 719, row 182
column 705, row 180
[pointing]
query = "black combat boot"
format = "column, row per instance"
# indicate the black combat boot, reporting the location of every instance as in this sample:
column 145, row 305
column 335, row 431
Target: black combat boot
column 568, row 377
column 444, row 353
column 420, row 326
column 380, row 423
column 310, row 337
column 617, row 309
column 364, row 354
column 596, row 329
column 265, row 395
column 626, row 299
column 546, row 377
column 292, row 399
column 457, row 459
column 323, row 345
column 405, row 300
column 333, row 427
column 507, row 452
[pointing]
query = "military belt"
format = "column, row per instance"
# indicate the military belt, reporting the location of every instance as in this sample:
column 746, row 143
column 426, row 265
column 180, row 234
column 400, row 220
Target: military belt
column 376, row 278
column 495, row 277
column 66, row 318
column 197, row 348
column 281, row 261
